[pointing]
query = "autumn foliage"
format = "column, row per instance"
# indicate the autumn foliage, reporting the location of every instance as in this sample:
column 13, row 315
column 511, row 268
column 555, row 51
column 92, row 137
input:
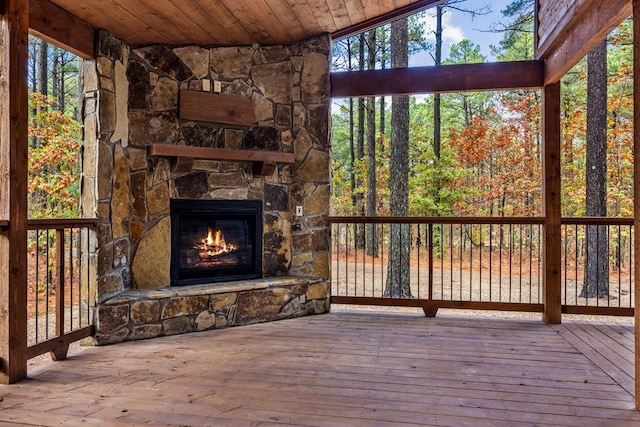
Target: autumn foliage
column 53, row 160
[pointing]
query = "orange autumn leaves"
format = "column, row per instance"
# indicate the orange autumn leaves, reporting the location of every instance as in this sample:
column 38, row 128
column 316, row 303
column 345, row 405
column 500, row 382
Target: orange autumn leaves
column 53, row 160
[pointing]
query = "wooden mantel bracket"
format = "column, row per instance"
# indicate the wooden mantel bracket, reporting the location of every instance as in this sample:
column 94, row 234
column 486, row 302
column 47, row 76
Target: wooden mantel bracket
column 264, row 162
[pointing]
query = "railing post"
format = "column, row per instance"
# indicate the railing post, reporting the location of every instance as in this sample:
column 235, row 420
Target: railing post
column 430, row 310
column 60, row 353
column 552, row 250
column 14, row 26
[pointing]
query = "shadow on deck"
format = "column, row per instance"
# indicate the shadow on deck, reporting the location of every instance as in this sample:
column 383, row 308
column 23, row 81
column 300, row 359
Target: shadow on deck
column 344, row 368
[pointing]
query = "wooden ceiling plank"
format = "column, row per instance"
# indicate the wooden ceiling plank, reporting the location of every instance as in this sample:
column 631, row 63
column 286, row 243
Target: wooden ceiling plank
column 287, row 17
column 149, row 19
column 386, row 6
column 438, row 79
column 355, row 9
column 221, row 8
column 164, row 12
column 55, row 25
column 371, row 9
column 242, row 13
column 324, row 17
column 199, row 11
column 273, row 23
column 175, row 11
column 305, row 15
column 340, row 13
column 554, row 22
column 593, row 26
column 415, row 7
column 116, row 19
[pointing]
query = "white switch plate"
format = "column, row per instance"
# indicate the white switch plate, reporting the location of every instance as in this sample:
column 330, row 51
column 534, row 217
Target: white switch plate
column 298, row 210
column 206, row 85
column 217, row 86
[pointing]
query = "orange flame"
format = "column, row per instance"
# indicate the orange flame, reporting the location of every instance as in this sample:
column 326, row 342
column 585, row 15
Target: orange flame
column 214, row 244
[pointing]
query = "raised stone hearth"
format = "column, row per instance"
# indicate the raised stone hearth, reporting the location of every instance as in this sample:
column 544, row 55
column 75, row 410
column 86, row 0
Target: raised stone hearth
column 144, row 314
column 131, row 103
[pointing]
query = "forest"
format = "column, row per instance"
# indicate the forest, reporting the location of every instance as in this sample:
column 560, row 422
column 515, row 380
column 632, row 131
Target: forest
column 55, row 134
column 479, row 154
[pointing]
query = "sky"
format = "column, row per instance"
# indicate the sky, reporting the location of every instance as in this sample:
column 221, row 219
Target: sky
column 458, row 26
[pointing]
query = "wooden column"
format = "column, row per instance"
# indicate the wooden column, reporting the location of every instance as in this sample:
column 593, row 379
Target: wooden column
column 636, row 184
column 14, row 23
column 552, row 249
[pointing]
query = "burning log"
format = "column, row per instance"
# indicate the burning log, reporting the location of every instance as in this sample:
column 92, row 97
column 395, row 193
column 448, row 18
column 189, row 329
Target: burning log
column 213, row 246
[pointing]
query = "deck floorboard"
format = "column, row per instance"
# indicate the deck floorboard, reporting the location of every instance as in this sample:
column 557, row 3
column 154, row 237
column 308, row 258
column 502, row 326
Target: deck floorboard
column 343, row 368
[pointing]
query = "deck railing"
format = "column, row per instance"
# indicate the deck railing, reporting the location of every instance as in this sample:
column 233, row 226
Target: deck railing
column 475, row 263
column 60, row 284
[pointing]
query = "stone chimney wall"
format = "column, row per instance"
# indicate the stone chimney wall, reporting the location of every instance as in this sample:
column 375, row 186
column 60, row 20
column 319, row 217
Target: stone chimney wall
column 131, row 101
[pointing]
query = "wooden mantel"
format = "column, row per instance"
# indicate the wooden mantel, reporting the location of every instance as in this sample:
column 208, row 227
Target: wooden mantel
column 264, row 162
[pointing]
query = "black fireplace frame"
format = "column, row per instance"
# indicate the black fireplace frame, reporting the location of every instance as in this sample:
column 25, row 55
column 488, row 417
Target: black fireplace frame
column 236, row 209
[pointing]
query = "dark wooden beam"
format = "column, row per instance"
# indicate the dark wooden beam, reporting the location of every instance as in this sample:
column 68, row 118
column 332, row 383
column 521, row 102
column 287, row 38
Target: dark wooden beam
column 636, row 187
column 59, row 27
column 215, row 108
column 552, row 249
column 399, row 13
column 14, row 27
column 207, row 153
column 589, row 26
column 438, row 79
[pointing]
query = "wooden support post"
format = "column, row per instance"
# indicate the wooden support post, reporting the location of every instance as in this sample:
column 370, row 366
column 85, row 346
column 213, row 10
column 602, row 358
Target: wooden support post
column 636, row 184
column 60, row 353
column 552, row 250
column 14, row 27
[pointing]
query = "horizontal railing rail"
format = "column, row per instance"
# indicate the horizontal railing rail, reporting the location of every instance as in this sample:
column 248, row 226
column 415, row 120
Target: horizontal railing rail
column 59, row 284
column 475, row 263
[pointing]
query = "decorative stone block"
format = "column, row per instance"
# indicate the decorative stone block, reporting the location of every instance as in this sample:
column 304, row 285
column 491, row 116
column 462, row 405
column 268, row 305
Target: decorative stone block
column 177, row 325
column 318, row 291
column 260, row 306
column 184, row 306
column 205, row 320
column 111, row 318
column 151, row 266
column 145, row 312
column 222, row 303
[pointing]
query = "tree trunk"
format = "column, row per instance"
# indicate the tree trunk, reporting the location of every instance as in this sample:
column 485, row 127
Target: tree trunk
column 352, row 150
column 55, row 92
column 383, row 65
column 397, row 285
column 43, row 68
column 360, row 238
column 596, row 274
column 437, row 115
column 437, row 120
column 372, row 197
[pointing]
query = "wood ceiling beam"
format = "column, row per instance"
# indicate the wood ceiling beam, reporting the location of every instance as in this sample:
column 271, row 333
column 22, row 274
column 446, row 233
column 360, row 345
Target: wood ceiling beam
column 590, row 25
column 401, row 12
column 61, row 28
column 438, row 79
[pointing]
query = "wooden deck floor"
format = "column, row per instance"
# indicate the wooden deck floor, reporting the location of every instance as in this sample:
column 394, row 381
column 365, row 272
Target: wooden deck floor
column 343, row 369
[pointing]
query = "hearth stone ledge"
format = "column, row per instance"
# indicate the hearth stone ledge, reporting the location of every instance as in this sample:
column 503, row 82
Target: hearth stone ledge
column 143, row 314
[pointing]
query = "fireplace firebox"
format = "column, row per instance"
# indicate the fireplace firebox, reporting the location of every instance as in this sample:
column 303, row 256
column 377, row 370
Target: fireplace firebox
column 215, row 241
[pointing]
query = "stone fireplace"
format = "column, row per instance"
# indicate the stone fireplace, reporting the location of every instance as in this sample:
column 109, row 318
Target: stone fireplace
column 131, row 102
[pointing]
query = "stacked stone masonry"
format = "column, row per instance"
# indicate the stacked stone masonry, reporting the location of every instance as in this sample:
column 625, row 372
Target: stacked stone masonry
column 131, row 101
column 152, row 313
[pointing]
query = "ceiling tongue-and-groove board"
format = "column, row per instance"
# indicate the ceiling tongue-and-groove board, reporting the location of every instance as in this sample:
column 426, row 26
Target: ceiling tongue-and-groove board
column 234, row 22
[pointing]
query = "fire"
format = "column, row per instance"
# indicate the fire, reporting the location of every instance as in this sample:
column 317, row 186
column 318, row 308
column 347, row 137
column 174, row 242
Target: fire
column 214, row 244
